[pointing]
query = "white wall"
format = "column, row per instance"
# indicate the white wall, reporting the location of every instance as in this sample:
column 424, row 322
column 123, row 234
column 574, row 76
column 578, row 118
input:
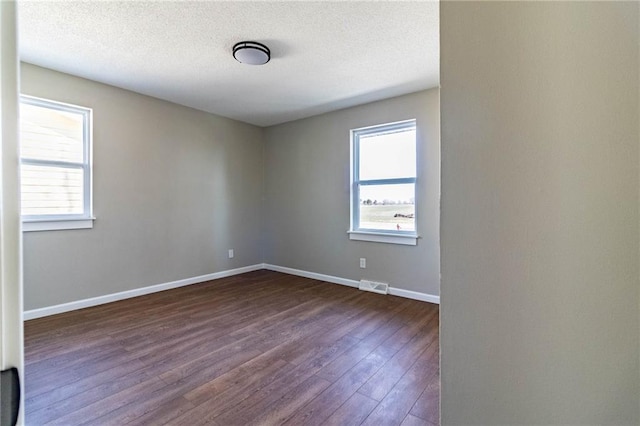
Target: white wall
column 540, row 223
column 11, row 330
column 174, row 188
column 307, row 196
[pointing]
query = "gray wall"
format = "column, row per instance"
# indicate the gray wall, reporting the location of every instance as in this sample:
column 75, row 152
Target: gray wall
column 174, row 188
column 307, row 196
column 539, row 314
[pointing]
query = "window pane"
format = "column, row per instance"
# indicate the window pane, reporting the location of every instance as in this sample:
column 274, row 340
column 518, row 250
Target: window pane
column 388, row 156
column 388, row 207
column 51, row 190
column 51, row 134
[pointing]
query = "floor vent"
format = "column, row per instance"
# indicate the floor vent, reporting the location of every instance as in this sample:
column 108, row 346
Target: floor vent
column 373, row 286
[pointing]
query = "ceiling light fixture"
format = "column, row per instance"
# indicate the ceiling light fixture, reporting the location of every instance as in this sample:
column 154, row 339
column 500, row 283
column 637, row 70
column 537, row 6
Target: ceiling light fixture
column 251, row 52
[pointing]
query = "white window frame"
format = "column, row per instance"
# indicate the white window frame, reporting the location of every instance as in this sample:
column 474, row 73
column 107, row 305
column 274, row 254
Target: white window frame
column 65, row 221
column 379, row 235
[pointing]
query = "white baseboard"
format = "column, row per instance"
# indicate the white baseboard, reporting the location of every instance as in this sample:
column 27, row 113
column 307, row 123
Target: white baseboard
column 409, row 294
column 312, row 275
column 100, row 300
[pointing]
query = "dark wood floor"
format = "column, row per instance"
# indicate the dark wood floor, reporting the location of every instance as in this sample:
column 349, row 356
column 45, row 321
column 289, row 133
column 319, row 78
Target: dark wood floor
column 262, row 348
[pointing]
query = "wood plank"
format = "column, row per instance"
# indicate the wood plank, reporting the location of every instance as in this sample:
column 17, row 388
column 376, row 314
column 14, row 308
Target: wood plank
column 427, row 406
column 69, row 398
column 282, row 384
column 280, row 410
column 353, row 412
column 334, row 370
column 379, row 385
column 389, row 338
column 60, row 377
column 257, row 348
column 399, row 401
column 332, row 398
column 91, row 412
column 415, row 421
column 217, row 395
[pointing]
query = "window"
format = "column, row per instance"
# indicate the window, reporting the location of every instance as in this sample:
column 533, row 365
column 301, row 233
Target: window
column 55, row 165
column 383, row 190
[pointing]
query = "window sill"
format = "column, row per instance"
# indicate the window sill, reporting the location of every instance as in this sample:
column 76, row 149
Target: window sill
column 381, row 237
column 56, row 225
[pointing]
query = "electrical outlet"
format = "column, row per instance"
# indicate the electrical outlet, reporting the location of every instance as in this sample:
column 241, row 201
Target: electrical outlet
column 363, row 262
column 230, row 253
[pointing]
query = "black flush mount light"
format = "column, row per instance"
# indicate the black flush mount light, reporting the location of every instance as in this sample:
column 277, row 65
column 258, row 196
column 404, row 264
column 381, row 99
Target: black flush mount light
column 251, row 52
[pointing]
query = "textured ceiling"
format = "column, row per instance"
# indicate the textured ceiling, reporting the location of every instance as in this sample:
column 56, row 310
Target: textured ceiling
column 325, row 55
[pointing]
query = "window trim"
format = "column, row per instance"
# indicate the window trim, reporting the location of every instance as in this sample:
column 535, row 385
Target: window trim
column 372, row 234
column 65, row 221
